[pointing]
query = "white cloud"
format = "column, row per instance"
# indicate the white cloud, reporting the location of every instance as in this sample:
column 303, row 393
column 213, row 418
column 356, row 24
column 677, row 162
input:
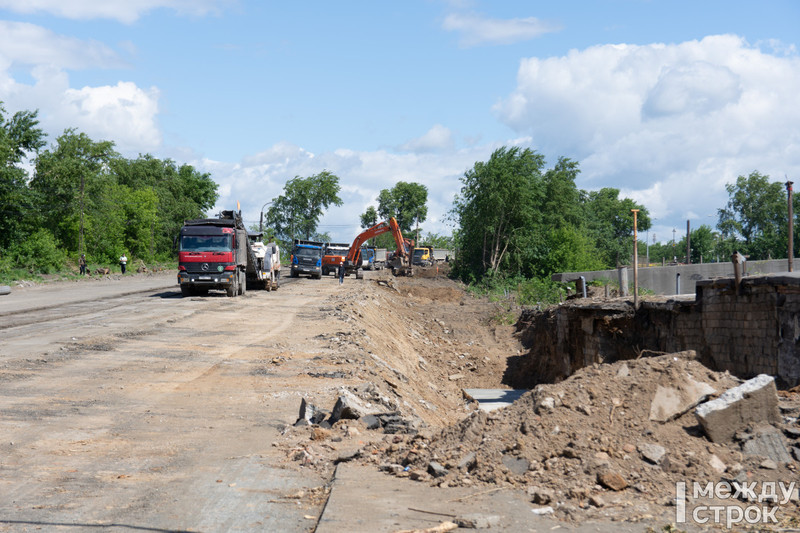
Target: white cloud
column 476, row 30
column 27, row 44
column 123, row 113
column 260, row 178
column 668, row 124
column 125, row 11
column 436, row 138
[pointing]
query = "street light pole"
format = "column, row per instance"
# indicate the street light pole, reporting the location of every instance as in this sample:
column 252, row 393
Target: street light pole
column 261, row 217
column 635, row 261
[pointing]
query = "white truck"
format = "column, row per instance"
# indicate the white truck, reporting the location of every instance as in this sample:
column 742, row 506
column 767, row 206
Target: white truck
column 380, row 259
column 440, row 255
column 268, row 260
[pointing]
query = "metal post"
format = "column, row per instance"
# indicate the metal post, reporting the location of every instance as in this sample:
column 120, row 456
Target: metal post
column 261, row 217
column 791, row 226
column 635, row 261
column 678, row 283
column 688, row 247
column 583, row 286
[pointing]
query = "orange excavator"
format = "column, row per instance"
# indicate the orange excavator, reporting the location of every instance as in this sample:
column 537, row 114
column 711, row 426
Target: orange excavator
column 400, row 262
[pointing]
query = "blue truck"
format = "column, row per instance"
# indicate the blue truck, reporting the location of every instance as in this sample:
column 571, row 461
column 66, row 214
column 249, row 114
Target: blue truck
column 307, row 258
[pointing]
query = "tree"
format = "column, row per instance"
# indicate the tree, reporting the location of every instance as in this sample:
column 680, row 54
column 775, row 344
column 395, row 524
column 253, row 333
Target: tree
column 369, row 217
column 180, row 192
column 495, row 212
column 756, row 212
column 63, row 175
column 406, row 202
column 19, row 136
column 298, row 210
column 609, row 221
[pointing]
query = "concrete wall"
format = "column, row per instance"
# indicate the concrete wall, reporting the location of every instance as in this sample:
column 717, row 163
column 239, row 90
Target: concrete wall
column 662, row 280
column 748, row 331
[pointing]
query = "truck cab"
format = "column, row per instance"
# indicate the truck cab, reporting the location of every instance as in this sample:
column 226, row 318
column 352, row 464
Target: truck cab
column 335, row 254
column 422, row 256
column 307, row 258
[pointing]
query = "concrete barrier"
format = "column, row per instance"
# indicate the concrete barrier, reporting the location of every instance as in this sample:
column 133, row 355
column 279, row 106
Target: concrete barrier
column 664, row 280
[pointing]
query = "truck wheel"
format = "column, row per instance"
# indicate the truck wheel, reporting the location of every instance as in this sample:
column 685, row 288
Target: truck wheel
column 186, row 291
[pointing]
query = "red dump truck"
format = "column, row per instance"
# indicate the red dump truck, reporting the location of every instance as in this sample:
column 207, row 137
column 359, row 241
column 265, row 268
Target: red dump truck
column 215, row 253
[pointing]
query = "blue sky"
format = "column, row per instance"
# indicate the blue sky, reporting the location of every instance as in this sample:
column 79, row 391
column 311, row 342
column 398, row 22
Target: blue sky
column 666, row 100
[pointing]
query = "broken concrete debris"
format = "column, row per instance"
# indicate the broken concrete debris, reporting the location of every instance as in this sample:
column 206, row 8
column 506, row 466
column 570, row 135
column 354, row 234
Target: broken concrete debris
column 671, row 402
column 753, row 402
column 349, row 406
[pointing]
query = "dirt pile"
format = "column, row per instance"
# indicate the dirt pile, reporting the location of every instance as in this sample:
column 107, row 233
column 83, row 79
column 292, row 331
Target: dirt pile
column 587, row 445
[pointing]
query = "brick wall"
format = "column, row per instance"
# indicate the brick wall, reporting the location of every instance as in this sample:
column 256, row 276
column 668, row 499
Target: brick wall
column 755, row 330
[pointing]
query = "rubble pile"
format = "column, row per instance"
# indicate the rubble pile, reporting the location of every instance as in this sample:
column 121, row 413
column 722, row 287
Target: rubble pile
column 610, row 439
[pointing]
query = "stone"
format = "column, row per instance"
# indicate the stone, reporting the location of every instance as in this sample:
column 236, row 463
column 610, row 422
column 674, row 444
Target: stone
column 478, row 521
column 596, row 500
column 371, row 421
column 792, row 433
column 768, row 441
column 652, row 453
column 669, row 403
column 796, row 453
column 753, row 402
column 468, row 462
column 716, row 464
column 612, row 480
column 309, row 413
column 349, row 406
column 436, row 469
column 455, row 377
column 623, row 371
column 541, row 495
column 548, row 404
column 348, row 455
column 768, row 464
column 517, row 465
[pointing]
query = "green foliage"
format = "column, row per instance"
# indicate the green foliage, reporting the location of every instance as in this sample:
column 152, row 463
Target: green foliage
column 406, row 202
column 610, row 223
column 757, row 212
column 297, row 211
column 570, row 250
column 369, row 217
column 38, row 252
column 19, row 136
column 496, row 212
column 438, row 241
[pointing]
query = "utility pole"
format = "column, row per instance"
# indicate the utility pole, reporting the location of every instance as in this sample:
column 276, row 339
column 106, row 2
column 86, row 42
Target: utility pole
column 261, row 217
column 688, row 247
column 635, row 262
column 791, row 226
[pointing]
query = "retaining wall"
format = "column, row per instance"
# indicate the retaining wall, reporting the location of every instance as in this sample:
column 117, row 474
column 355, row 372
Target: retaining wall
column 748, row 331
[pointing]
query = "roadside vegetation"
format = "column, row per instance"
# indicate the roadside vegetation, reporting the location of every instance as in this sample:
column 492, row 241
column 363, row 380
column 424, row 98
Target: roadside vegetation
column 515, row 220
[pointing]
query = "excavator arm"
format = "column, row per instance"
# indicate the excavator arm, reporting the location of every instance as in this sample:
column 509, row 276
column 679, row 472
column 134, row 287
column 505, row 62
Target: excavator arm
column 404, row 246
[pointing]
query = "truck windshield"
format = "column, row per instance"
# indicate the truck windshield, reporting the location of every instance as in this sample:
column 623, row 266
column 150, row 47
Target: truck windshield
column 418, row 253
column 202, row 243
column 338, row 251
column 307, row 252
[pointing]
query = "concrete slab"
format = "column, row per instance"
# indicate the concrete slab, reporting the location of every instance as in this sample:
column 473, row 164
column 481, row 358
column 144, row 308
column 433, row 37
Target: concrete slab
column 491, row 399
column 364, row 500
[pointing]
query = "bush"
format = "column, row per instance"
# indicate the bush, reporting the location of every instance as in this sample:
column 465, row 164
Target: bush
column 39, row 253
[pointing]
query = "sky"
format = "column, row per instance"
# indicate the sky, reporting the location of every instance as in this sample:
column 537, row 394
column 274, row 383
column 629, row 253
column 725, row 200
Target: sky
column 666, row 100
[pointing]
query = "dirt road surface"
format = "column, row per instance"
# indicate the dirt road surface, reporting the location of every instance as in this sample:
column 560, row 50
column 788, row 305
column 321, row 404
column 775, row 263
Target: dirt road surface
column 123, row 404
column 125, row 407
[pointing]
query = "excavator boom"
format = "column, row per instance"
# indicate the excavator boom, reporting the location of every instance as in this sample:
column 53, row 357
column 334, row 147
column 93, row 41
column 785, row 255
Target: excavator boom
column 404, row 246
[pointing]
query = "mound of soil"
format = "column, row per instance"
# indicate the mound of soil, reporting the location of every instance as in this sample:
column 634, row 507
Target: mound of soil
column 587, row 445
